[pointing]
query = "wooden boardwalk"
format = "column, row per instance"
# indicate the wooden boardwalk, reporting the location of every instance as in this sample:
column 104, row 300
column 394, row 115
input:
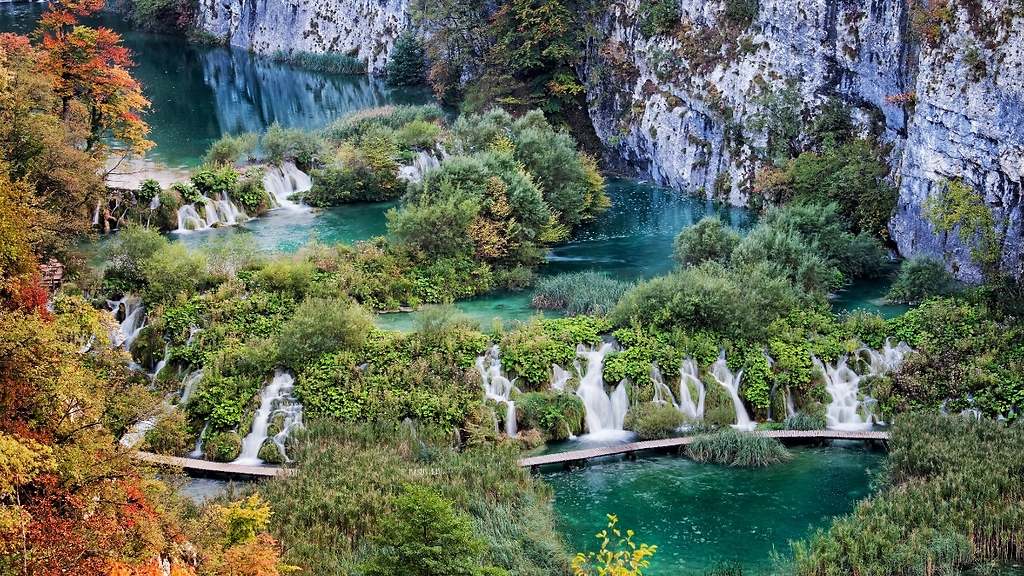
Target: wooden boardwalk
column 577, row 456
column 221, row 469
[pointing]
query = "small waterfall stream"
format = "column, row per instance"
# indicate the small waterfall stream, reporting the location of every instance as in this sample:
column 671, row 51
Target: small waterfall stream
column 604, row 412
column 130, row 315
column 497, row 386
column 731, row 382
column 275, row 399
column 849, row 408
column 424, row 162
column 283, row 181
column 219, row 211
column 689, row 374
column 559, row 377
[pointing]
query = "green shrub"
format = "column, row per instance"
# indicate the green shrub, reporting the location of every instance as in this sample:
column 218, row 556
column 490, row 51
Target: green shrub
column 280, row 144
column 230, row 149
column 578, row 293
column 709, row 239
column 291, row 276
column 188, row 193
column 804, row 421
column 170, row 271
column 529, row 351
column 126, row 256
column 659, row 16
column 270, row 452
column 148, row 190
column 436, row 229
column 215, row 182
column 250, row 193
column 921, row 278
column 352, row 126
column 170, row 435
column 733, row 448
column 653, row 421
column 418, row 134
column 321, row 326
column 741, row 13
column 558, row 415
column 328, row 62
column 222, row 446
column 407, row 63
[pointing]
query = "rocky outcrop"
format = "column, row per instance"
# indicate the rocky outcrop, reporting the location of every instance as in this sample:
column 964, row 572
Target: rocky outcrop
column 677, row 106
column 365, row 29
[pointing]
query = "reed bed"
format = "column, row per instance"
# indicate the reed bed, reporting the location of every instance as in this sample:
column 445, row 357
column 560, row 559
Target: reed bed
column 953, row 500
column 740, row 449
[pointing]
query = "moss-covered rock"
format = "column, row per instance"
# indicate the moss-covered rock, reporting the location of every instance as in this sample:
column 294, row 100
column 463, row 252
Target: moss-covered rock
column 170, row 435
column 222, row 446
column 271, row 453
column 557, row 415
column 148, row 347
column 653, row 421
column 276, row 424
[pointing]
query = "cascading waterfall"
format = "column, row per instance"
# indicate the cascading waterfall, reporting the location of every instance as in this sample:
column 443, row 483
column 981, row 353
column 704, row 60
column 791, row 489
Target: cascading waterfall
column 284, row 181
column 275, row 399
column 688, row 374
column 219, row 211
column 197, row 451
column 559, row 377
column 130, row 315
column 731, row 382
column 604, row 412
column 497, row 386
column 424, row 162
column 190, row 383
column 162, row 363
column 848, row 410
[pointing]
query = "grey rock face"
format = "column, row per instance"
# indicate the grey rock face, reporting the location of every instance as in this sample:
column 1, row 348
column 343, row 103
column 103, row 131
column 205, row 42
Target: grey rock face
column 677, row 108
column 365, row 29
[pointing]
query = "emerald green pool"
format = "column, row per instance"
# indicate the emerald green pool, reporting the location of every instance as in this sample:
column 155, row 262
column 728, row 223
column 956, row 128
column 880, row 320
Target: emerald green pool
column 703, row 515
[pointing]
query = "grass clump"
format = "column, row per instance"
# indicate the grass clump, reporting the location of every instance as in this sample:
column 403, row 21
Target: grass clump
column 740, row 449
column 578, row 293
column 329, row 62
column 952, row 503
column 653, row 421
column 804, row 421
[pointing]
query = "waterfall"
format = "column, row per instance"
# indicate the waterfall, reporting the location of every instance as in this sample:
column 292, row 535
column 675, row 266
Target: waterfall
column 497, row 386
column 162, row 363
column 848, row 410
column 283, row 181
column 721, row 373
column 218, row 211
column 604, row 412
column 688, row 374
column 559, row 377
column 130, row 315
column 424, row 162
column 197, row 452
column 276, row 398
column 790, row 405
column 190, row 383
column 137, row 432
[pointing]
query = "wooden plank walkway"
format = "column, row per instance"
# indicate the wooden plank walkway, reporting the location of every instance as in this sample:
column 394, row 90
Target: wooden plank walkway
column 575, row 456
column 205, row 467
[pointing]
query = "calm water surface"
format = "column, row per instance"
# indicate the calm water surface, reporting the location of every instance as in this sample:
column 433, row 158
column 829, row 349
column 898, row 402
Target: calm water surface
column 703, row 515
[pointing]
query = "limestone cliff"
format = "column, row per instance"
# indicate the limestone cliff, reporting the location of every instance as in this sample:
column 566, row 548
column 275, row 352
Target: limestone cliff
column 676, row 106
column 365, row 29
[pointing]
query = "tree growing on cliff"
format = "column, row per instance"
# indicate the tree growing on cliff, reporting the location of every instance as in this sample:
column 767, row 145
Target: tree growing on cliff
column 408, row 63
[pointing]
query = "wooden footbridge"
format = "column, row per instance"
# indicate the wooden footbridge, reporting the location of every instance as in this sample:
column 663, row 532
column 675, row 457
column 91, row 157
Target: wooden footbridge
column 197, row 467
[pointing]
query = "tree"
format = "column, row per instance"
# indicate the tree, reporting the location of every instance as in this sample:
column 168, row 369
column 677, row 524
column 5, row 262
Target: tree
column 407, row 65
column 89, row 68
column 709, row 239
column 426, row 536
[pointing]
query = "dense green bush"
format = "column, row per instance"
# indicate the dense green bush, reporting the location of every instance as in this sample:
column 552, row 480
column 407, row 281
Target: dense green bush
column 170, row 271
column 320, row 326
column 148, row 190
column 578, row 293
column 659, row 16
column 653, row 421
column 733, row 448
column 280, row 144
column 709, row 239
column 352, row 126
column 292, row 276
column 170, row 435
column 437, row 229
column 407, row 63
column 250, row 193
column 230, row 149
column 952, row 502
column 355, row 476
column 222, row 446
column 215, row 182
column 558, row 415
column 126, row 257
column 529, row 351
column 921, row 278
